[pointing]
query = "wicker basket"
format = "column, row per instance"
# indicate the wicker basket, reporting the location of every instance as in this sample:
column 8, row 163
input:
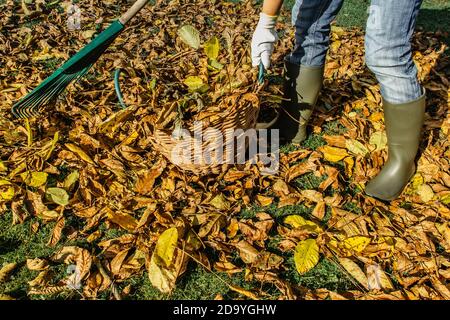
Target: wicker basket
column 238, row 111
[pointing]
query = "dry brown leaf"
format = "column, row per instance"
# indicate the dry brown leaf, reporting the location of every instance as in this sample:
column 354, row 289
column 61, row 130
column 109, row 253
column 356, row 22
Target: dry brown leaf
column 6, row 271
column 355, row 271
column 123, row 219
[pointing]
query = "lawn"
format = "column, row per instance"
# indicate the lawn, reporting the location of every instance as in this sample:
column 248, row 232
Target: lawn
column 434, row 15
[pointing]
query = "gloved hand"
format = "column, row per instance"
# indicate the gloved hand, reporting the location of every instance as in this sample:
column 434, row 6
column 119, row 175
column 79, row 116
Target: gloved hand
column 263, row 40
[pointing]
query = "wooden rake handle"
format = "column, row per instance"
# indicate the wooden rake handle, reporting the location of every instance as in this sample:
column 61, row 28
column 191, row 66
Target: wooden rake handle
column 135, row 8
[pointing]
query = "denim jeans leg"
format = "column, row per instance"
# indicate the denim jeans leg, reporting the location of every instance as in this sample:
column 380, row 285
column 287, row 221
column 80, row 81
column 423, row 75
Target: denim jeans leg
column 389, row 30
column 312, row 19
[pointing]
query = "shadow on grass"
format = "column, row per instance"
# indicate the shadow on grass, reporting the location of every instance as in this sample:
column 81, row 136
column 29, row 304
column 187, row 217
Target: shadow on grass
column 435, row 20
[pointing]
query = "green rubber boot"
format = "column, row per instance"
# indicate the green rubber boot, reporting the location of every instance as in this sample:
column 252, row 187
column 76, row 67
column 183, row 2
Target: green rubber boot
column 302, row 85
column 403, row 127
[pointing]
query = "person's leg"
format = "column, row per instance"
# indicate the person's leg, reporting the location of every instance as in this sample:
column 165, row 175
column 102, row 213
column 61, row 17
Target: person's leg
column 312, row 21
column 388, row 54
column 304, row 66
column 389, row 30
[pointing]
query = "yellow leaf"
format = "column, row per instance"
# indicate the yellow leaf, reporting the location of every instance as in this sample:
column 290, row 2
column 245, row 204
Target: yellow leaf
column 161, row 278
column 111, row 124
column 425, row 192
column 37, row 264
column 376, row 116
column 34, row 178
column 128, row 140
column 40, row 280
column 21, row 167
column 215, row 65
column 71, row 179
column 281, row 187
column 233, row 228
column 145, row 183
column 297, row 221
column 3, row 168
column 94, row 236
column 25, row 9
column 335, row 45
column 349, row 163
column 212, row 48
column 118, row 261
column 80, row 152
column 87, row 34
column 444, row 230
column 356, row 243
column 165, row 247
column 263, row 200
column 6, row 190
column 377, row 279
column 29, row 132
column 333, row 154
column 337, row 30
column 445, row 199
column 312, row 195
column 416, row 181
column 52, row 145
column 306, row 255
column 356, row 147
column 58, row 196
column 379, row 140
column 195, row 83
column 220, row 202
column 355, row 271
column 48, row 215
column 190, row 36
column 6, row 270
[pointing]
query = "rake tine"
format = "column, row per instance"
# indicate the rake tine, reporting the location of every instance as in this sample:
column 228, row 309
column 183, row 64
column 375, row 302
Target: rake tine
column 32, row 106
column 27, row 107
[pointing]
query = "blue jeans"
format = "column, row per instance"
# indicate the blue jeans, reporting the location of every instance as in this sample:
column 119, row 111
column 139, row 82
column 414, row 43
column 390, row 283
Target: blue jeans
column 389, row 30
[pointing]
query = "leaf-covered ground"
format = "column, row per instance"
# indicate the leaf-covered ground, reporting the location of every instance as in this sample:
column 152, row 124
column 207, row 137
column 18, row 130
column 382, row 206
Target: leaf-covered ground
column 88, row 209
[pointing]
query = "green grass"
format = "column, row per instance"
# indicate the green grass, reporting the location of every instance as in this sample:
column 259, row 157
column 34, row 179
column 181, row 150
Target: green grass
column 52, row 63
column 18, row 243
column 434, row 14
column 309, row 181
column 334, row 128
column 196, row 284
column 313, row 141
column 276, row 213
column 326, row 274
column 352, row 207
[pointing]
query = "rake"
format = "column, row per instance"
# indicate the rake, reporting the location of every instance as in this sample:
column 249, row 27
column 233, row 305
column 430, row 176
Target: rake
column 76, row 67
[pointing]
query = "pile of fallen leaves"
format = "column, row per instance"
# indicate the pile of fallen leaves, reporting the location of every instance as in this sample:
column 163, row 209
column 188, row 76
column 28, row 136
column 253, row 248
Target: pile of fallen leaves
column 92, row 162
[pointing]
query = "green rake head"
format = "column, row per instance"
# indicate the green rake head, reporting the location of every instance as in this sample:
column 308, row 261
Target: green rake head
column 73, row 69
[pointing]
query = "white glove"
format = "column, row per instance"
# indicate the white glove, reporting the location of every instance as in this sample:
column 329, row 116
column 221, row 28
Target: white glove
column 263, row 40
